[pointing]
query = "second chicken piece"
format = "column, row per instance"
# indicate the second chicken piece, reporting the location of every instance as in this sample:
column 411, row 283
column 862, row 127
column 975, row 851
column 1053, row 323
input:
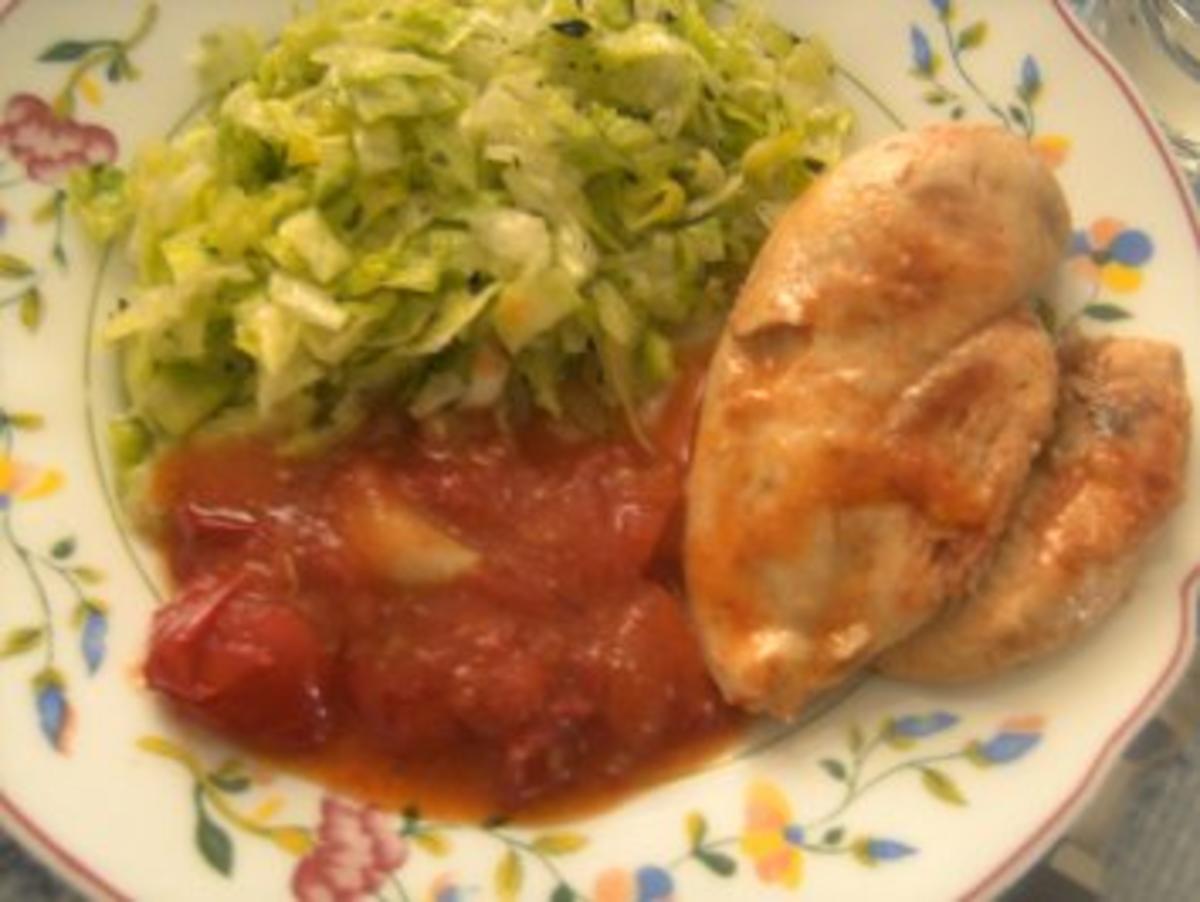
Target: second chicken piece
column 1111, row 474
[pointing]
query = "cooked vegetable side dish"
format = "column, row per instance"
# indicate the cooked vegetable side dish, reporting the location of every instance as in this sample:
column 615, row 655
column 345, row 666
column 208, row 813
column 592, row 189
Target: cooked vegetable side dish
column 509, row 601
column 500, row 204
column 520, row 392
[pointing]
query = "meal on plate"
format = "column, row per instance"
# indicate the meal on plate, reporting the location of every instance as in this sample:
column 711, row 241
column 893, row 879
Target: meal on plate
column 521, row 391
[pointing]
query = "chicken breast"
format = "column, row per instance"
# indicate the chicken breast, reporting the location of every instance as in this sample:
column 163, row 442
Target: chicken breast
column 872, row 407
column 1112, row 472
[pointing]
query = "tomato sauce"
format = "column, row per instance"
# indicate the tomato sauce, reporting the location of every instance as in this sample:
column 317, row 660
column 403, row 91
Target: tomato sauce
column 461, row 616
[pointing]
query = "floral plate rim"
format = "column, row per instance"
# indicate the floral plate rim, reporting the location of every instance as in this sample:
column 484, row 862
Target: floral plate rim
column 1185, row 646
column 25, row 828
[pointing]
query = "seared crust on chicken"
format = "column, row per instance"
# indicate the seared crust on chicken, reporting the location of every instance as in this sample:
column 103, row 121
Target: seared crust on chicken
column 872, row 409
column 1112, row 472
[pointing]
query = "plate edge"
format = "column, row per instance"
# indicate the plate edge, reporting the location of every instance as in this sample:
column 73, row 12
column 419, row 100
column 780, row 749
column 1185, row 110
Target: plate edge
column 82, row 877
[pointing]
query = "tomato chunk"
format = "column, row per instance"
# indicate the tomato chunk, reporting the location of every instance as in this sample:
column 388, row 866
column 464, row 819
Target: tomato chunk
column 248, row 665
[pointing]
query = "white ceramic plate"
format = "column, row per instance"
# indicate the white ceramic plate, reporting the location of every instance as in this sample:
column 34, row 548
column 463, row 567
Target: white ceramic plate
column 915, row 793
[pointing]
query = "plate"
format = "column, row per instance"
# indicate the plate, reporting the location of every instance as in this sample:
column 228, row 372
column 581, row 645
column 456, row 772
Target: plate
column 917, row 793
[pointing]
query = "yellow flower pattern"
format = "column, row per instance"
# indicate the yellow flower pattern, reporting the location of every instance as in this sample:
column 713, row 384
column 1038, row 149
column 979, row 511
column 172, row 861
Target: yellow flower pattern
column 771, row 840
column 20, row 481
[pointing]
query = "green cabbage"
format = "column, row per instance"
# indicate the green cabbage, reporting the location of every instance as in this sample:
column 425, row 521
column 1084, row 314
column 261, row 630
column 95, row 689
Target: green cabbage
column 454, row 203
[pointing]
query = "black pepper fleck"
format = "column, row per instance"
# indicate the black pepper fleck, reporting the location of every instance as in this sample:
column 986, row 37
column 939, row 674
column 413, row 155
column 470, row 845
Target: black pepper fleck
column 572, row 28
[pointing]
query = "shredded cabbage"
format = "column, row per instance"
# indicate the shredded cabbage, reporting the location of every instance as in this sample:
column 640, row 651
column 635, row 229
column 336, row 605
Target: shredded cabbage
column 454, row 203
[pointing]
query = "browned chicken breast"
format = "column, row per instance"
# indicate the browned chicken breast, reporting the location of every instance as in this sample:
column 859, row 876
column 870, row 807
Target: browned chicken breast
column 1110, row 475
column 872, row 409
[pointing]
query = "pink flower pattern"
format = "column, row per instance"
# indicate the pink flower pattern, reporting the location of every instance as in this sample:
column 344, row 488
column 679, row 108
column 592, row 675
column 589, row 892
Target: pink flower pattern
column 355, row 851
column 48, row 145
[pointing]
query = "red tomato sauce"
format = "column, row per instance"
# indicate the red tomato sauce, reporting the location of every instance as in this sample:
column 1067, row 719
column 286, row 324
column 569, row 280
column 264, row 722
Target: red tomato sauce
column 557, row 664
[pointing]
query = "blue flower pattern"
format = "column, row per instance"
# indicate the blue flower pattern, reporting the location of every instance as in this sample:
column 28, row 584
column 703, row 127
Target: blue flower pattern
column 52, row 708
column 93, row 639
column 1030, row 85
column 956, row 99
column 1006, row 747
column 654, row 884
column 888, row 849
column 922, row 52
column 919, row 726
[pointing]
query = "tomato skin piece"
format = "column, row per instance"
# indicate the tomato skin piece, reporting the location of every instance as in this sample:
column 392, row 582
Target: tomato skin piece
column 196, row 522
column 248, row 665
